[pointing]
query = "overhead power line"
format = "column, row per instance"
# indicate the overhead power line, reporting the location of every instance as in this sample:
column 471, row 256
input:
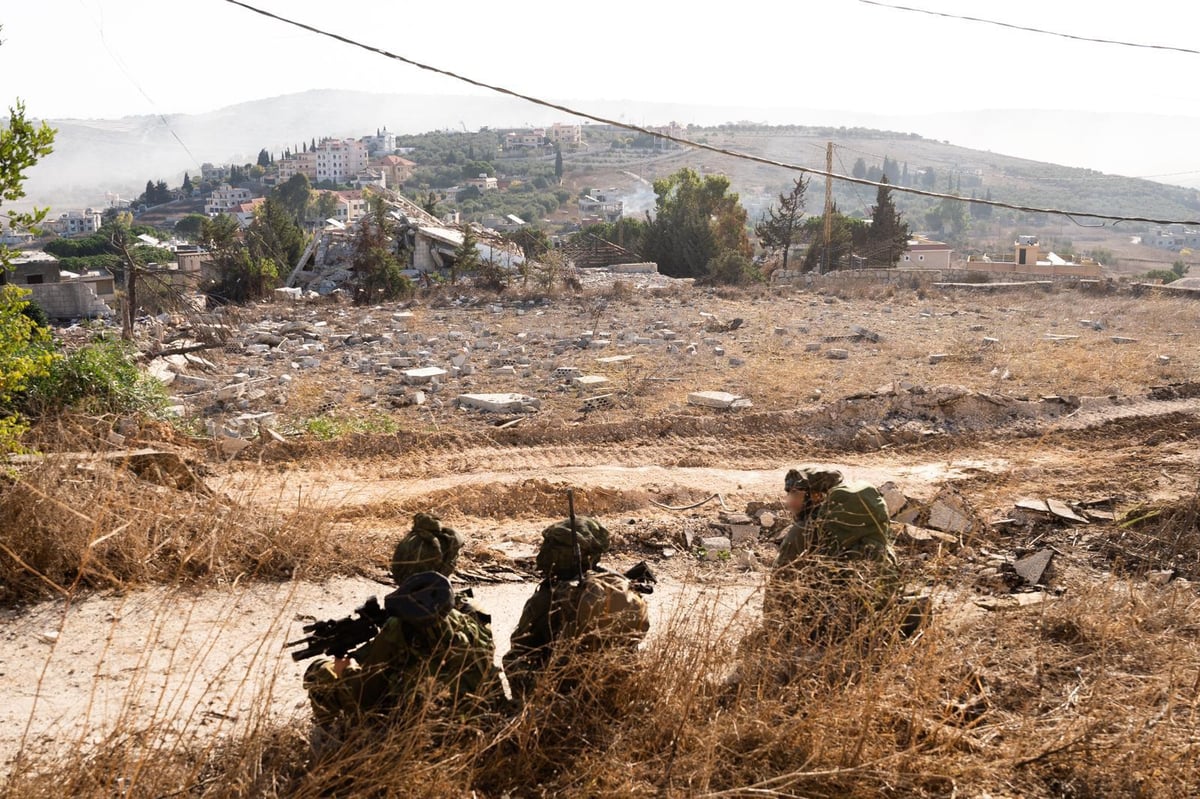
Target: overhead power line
column 1028, row 29
column 827, row 174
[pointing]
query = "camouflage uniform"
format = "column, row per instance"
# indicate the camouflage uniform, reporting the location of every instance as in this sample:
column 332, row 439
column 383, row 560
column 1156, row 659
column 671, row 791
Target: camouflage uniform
column 601, row 610
column 836, row 564
column 449, row 663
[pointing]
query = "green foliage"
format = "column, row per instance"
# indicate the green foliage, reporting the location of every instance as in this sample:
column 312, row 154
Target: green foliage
column 190, row 227
column 99, row 377
column 376, row 263
column 948, row 217
column 695, row 219
column 847, row 235
column 733, row 269
column 1180, row 268
column 26, row 355
column 533, row 241
column 1163, row 276
column 780, row 227
column 36, row 313
column 466, row 256
column 294, row 195
column 264, row 158
column 25, row 346
column 887, row 237
column 156, row 193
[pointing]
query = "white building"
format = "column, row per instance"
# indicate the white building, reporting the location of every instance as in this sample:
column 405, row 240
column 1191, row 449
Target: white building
column 304, row 163
column 483, row 182
column 351, row 207
column 78, row 223
column 339, row 160
column 225, row 197
column 382, row 143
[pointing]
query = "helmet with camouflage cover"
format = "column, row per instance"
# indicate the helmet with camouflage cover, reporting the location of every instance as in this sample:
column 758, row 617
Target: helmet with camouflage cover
column 556, row 557
column 428, row 546
column 811, row 478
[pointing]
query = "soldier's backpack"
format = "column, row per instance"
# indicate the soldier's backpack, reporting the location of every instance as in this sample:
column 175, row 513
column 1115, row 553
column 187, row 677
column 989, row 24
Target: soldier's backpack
column 854, row 520
column 606, row 611
column 557, row 554
column 428, row 546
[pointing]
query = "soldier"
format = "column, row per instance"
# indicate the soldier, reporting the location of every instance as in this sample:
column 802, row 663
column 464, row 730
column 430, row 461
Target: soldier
column 576, row 601
column 836, row 562
column 435, row 646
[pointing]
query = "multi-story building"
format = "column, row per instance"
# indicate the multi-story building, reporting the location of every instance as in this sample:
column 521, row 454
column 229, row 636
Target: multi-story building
column 297, row 163
column 567, row 136
column 78, row 223
column 339, row 160
column 210, row 172
column 483, row 182
column 524, row 139
column 225, row 197
column 382, row 143
column 396, row 169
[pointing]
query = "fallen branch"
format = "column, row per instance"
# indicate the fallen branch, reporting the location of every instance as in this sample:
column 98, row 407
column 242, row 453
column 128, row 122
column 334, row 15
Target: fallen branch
column 181, row 350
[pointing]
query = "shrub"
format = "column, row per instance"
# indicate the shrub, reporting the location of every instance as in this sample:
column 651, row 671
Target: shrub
column 733, row 268
column 26, row 355
column 99, row 377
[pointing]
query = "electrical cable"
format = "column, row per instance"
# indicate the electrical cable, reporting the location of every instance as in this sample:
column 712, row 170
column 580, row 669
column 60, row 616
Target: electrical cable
column 1028, row 29
column 1114, row 218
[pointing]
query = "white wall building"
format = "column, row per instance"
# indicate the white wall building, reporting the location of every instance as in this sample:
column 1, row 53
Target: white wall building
column 78, row 223
column 225, row 197
column 382, row 143
column 339, row 160
column 568, row 136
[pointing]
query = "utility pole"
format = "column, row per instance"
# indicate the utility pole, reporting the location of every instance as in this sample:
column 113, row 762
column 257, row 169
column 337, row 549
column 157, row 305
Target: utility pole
column 828, row 204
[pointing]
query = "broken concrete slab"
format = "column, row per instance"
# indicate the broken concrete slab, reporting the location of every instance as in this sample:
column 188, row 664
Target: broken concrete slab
column 937, row 357
column 498, row 403
column 423, row 375
column 1063, row 511
column 1122, row 340
column 869, row 335
column 586, row 382
column 744, row 533
column 837, row 354
column 949, row 513
column 721, row 400
column 716, row 547
column 1031, row 568
column 611, row 359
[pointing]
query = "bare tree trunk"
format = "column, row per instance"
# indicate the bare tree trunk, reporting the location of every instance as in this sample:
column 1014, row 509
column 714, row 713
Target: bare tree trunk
column 127, row 313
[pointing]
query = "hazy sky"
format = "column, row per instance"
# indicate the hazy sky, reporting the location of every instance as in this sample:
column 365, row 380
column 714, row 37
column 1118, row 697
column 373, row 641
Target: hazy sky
column 108, row 58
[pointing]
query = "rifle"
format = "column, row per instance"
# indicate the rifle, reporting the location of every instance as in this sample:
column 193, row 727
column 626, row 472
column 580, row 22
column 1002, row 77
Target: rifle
column 574, row 531
column 338, row 637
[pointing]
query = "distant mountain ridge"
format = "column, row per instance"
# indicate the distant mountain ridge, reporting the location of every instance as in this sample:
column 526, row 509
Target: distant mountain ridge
column 118, row 155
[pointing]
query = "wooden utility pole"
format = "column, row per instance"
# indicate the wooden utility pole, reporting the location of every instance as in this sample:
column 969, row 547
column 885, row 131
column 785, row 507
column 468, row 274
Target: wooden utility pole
column 828, row 204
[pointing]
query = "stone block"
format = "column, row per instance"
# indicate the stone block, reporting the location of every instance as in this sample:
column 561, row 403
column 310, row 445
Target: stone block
column 743, row 533
column 589, row 381
column 716, row 547
column 936, row 358
column 498, row 403
column 423, row 375
column 721, row 400
column 837, row 354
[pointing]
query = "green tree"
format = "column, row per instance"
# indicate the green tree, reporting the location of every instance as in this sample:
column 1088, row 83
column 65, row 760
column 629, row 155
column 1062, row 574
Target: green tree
column 264, row 158
column 327, row 205
column 847, row 234
column 26, row 352
column 533, row 241
column 860, row 169
column 377, row 266
column 733, row 268
column 1180, row 268
column 191, row 226
column 187, row 184
column 466, row 256
column 781, row 225
column 695, row 219
column 558, row 164
column 948, row 217
column 887, row 237
column 294, row 195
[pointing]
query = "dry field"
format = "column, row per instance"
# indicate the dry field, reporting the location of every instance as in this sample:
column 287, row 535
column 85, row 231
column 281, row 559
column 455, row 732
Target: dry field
column 144, row 614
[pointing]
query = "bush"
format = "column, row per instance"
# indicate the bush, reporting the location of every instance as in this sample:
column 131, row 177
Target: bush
column 26, row 355
column 733, row 269
column 99, row 377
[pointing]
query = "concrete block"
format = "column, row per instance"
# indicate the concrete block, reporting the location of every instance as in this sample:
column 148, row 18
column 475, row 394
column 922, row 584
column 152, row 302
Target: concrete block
column 423, row 375
column 589, row 381
column 1123, row 340
column 837, row 355
column 744, row 533
column 722, row 400
column 716, row 547
column 937, row 357
column 498, row 403
column 812, row 346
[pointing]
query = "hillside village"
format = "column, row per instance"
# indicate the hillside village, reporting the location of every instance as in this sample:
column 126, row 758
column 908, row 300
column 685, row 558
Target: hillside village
column 516, row 196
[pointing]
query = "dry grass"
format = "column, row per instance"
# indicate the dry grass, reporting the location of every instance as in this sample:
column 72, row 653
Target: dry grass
column 1093, row 695
column 69, row 523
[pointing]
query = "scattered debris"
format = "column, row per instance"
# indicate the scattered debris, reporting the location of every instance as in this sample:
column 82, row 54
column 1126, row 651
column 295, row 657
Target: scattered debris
column 1031, row 568
column 718, row 399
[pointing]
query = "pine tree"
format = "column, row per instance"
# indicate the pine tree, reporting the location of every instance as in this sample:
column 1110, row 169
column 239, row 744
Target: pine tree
column 887, row 237
column 860, row 169
column 187, row 184
column 558, row 164
column 264, row 158
column 466, row 256
column 904, row 175
column 780, row 227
